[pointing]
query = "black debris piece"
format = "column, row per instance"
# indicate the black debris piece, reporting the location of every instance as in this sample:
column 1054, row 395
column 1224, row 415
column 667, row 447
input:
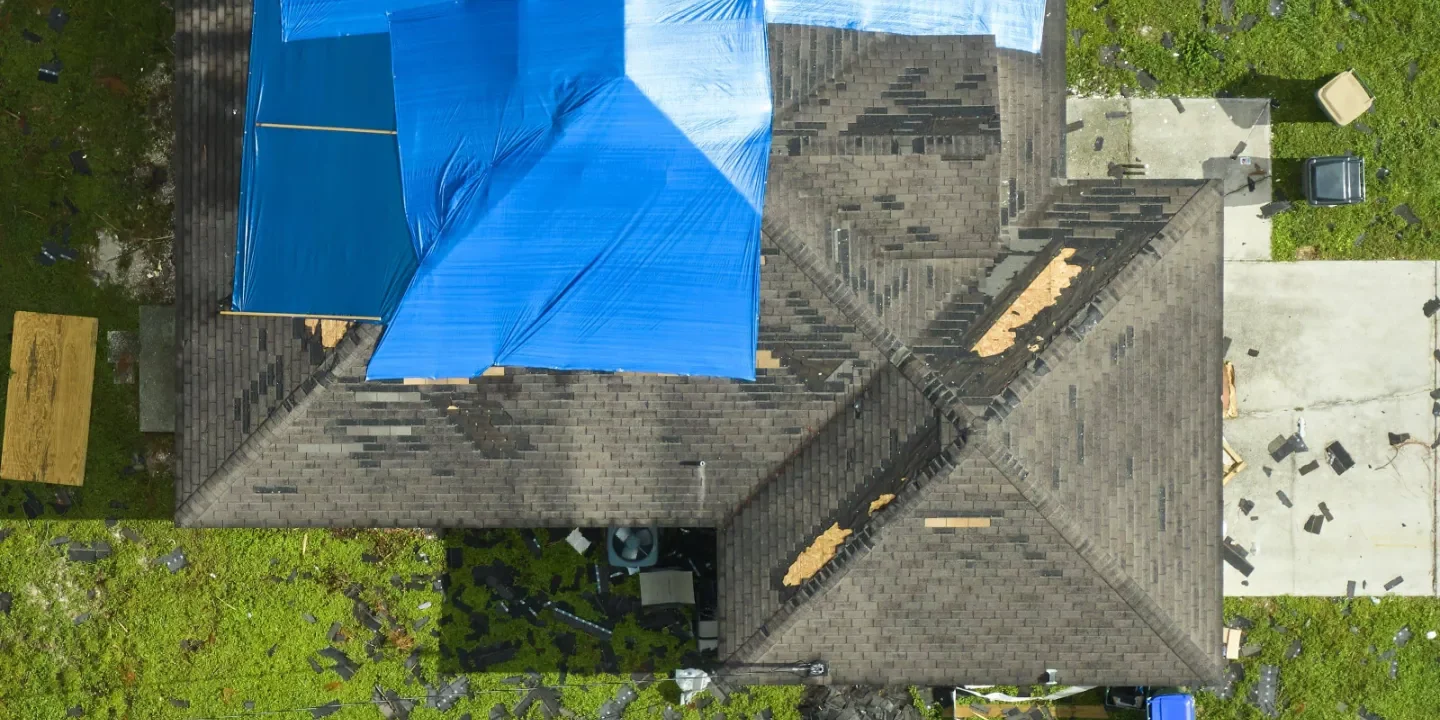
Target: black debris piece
column 77, row 711
column 325, row 710
column 177, row 702
column 1235, row 154
column 1406, row 214
column 49, row 253
column 1435, row 409
column 57, row 19
column 368, row 558
column 315, row 665
column 1167, row 41
column 30, row 36
column 1309, row 467
column 1146, row 80
column 1394, row 583
column 1399, row 438
column 1266, row 469
column 1252, row 352
column 1271, row 209
column 81, row 618
column 1248, row 21
column 174, row 560
column 80, row 552
column 1326, row 512
column 1235, row 556
column 1402, row 636
column 500, row 712
column 391, row 705
column 1277, row 8
column 1284, row 499
column 1394, row 668
column 1263, row 693
column 1246, row 506
column 366, row 616
column 1364, row 714
column 1382, row 174
column 1282, row 447
column 1314, row 524
column 1116, row 115
column 271, row 651
column 307, row 617
column 1175, row 100
column 1076, row 35
column 1074, row 126
column 6, row 600
column 445, row 697
column 50, row 72
column 1294, row 650
column 1337, row 458
column 1099, row 143
column 58, row 541
column 334, row 632
column 1350, row 588
column 1362, row 127
column 1251, row 649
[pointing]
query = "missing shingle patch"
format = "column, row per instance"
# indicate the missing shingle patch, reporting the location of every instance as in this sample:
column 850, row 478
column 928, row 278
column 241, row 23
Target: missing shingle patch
column 1042, row 292
column 880, row 502
column 813, row 558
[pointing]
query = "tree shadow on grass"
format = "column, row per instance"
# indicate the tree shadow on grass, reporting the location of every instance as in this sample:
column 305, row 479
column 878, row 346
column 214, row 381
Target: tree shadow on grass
column 526, row 601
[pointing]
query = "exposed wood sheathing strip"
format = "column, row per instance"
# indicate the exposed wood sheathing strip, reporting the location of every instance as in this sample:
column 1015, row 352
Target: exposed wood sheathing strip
column 815, row 556
column 1041, row 293
column 329, row 331
column 957, row 522
column 881, row 502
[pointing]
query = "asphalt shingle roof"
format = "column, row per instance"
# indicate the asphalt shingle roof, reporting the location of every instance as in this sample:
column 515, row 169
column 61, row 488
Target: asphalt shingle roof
column 903, row 171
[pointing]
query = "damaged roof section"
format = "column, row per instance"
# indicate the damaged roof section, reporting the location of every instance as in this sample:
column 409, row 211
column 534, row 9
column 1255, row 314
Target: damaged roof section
column 1042, row 292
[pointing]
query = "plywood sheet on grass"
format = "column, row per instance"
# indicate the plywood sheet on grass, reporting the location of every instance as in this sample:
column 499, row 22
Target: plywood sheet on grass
column 47, row 409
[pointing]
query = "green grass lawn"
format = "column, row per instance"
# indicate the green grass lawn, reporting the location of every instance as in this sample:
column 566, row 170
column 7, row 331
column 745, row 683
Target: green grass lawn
column 1342, row 660
column 1288, row 59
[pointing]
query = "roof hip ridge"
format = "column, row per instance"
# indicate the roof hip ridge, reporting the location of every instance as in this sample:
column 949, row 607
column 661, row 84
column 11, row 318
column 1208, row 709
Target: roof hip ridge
column 199, row 502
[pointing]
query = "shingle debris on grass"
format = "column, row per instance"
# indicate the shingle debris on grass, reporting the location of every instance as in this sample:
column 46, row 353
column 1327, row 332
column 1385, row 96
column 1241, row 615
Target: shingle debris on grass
column 31, row 37
column 344, row 666
column 77, row 711
column 1395, row 582
column 1284, row 499
column 50, row 71
column 1314, row 523
column 391, row 705
column 1263, row 694
column 1271, row 209
column 57, row 19
column 81, row 618
column 80, row 552
column 179, row 703
column 315, row 665
column 325, row 710
column 1406, row 214
column 445, row 697
column 1364, row 714
column 174, row 560
column 1402, row 636
column 80, row 162
column 1338, row 458
column 1293, row 651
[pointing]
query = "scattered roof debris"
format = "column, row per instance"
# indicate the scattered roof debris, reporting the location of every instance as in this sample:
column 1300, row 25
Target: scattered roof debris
column 50, row 72
column 1041, row 293
column 1234, row 464
column 1398, row 438
column 1325, row 511
column 1281, row 447
column 1314, row 524
column 1263, row 693
column 57, row 19
column 1228, row 398
column 174, row 560
column 1402, row 636
column 1271, row 209
column 1246, row 506
column 1235, row 555
column 1309, row 467
column 1099, row 143
column 1293, row 651
column 80, row 162
column 1394, row 583
column 1337, row 458
column 31, row 37
column 1284, row 499
column 1405, row 213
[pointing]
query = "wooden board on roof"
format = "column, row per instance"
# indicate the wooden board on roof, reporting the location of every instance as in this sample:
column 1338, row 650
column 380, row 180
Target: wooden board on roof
column 47, row 408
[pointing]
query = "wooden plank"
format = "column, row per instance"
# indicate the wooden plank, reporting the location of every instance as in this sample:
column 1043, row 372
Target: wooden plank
column 957, row 522
column 47, row 410
column 326, row 128
column 1232, row 643
column 356, row 318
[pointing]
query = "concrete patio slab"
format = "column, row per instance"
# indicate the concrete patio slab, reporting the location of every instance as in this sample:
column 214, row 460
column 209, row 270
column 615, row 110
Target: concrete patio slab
column 1204, row 141
column 1345, row 348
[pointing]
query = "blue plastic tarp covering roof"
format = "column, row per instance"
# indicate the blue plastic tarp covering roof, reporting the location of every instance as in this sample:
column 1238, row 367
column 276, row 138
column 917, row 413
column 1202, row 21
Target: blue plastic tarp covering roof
column 583, row 180
column 1016, row 24
column 309, row 19
column 322, row 226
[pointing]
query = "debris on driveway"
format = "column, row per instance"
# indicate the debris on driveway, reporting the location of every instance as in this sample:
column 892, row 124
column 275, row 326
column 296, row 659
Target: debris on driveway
column 1398, row 438
column 1282, row 447
column 1310, row 467
column 1337, row 458
column 174, row 560
column 1314, row 524
column 1394, row 583
column 1284, row 499
column 1235, row 555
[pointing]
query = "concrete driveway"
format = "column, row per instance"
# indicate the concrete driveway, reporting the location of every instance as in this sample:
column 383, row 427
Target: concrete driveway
column 1345, row 348
column 1227, row 139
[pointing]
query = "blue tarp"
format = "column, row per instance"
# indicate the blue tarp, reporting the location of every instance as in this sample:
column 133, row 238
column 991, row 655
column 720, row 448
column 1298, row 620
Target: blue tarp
column 322, row 228
column 583, row 179
column 309, row 19
column 1016, row 24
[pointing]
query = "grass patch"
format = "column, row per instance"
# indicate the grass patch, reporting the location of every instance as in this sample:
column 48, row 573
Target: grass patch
column 1289, row 58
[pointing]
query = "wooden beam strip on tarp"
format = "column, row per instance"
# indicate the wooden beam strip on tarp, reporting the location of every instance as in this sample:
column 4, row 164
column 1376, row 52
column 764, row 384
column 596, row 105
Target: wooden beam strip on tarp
column 47, row 410
column 326, row 128
column 349, row 318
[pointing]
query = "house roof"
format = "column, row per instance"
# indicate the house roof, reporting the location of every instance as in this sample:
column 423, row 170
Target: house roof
column 916, row 192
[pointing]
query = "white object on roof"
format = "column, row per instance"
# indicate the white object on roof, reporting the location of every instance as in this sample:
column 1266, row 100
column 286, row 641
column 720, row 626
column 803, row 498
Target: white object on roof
column 667, row 587
column 578, row 541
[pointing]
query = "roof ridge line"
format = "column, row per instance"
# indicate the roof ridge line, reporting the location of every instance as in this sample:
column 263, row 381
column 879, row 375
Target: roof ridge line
column 1106, row 297
column 1206, row 665
column 199, row 502
column 854, row 548
column 912, row 367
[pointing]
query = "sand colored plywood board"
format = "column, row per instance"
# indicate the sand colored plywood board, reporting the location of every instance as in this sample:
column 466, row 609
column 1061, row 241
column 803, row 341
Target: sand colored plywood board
column 1227, row 394
column 330, row 332
column 815, row 556
column 957, row 522
column 766, row 360
column 1232, row 643
column 1041, row 293
column 47, row 410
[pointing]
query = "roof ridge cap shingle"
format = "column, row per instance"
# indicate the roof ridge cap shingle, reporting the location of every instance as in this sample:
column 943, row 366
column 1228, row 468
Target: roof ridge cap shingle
column 833, row 288
column 855, row 547
column 199, row 502
column 1206, row 665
